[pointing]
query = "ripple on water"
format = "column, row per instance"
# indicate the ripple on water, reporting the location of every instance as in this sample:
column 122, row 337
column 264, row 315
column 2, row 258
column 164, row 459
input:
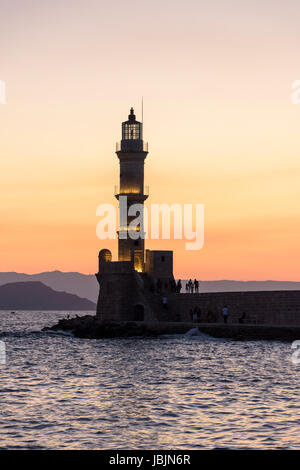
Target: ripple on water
column 185, row 392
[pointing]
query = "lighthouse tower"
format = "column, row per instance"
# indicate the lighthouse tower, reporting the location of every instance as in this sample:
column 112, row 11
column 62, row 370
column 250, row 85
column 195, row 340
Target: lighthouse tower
column 131, row 151
column 127, row 286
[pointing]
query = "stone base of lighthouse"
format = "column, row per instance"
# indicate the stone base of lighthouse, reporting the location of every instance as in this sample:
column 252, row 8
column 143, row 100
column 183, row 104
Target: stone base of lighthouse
column 127, row 295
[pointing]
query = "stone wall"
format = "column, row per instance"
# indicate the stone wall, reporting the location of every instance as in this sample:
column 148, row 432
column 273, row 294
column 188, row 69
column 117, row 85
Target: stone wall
column 265, row 307
column 122, row 294
column 159, row 264
column 126, row 295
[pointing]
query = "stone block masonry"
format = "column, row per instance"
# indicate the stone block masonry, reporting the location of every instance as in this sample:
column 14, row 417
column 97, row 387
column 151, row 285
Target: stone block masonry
column 263, row 307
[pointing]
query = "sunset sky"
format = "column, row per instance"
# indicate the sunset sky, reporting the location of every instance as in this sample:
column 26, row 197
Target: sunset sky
column 216, row 79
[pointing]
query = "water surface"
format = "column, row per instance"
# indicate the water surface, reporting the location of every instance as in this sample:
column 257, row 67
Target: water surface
column 178, row 392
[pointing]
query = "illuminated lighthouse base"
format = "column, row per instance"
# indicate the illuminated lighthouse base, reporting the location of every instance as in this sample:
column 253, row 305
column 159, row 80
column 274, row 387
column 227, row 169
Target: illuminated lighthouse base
column 129, row 295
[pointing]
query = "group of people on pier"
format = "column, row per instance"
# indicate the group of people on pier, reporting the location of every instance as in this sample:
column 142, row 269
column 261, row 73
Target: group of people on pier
column 192, row 286
column 176, row 287
column 170, row 285
column 197, row 316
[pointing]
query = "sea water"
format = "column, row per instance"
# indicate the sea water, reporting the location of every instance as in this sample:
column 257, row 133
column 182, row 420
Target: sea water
column 173, row 392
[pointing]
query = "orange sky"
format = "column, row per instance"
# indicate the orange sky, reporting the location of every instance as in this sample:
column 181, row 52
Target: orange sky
column 222, row 131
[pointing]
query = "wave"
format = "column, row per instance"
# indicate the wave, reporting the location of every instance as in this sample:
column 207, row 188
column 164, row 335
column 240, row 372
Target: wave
column 194, row 333
column 25, row 334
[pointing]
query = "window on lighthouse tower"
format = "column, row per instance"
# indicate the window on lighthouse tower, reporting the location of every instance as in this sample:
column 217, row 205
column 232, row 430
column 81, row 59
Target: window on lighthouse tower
column 132, row 129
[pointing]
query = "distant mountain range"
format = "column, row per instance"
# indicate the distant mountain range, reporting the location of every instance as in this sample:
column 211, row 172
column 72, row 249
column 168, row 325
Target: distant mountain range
column 83, row 285
column 34, row 295
column 86, row 285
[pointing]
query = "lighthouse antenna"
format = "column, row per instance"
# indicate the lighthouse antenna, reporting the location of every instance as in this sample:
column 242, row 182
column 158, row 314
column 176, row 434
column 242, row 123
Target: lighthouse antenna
column 142, row 110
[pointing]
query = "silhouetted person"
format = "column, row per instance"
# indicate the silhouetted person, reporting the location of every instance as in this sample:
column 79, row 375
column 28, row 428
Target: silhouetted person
column 242, row 318
column 196, row 285
column 172, row 285
column 198, row 314
column 187, row 287
column 195, row 316
column 179, row 286
column 225, row 313
column 165, row 302
column 211, row 318
column 190, row 284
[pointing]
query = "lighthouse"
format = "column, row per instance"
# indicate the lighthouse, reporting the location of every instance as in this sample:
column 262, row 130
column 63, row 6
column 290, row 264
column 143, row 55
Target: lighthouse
column 132, row 152
column 131, row 287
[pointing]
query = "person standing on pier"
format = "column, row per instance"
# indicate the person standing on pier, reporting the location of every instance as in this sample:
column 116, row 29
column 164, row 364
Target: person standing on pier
column 225, row 313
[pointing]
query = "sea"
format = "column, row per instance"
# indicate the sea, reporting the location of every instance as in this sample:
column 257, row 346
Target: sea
column 170, row 392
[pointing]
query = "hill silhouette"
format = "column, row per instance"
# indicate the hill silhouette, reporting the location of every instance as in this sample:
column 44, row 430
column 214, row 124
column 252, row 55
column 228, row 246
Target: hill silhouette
column 36, row 296
column 83, row 285
column 86, row 285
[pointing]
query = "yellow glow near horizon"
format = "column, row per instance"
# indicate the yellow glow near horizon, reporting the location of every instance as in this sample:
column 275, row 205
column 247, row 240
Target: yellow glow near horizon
column 216, row 81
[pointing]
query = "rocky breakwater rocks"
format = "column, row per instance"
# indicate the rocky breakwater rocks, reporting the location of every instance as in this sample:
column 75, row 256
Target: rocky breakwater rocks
column 89, row 326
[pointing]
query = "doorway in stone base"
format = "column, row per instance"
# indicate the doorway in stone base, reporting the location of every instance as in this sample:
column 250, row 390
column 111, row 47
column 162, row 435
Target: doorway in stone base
column 138, row 312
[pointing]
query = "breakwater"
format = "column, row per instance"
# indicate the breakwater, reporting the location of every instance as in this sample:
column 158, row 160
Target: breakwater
column 90, row 327
column 261, row 307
